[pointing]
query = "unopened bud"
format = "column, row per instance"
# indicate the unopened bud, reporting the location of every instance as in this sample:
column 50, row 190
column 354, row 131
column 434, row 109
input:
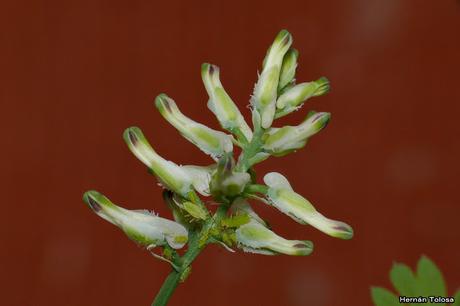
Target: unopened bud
column 288, row 68
column 254, row 237
column 281, row 141
column 293, row 98
column 266, row 89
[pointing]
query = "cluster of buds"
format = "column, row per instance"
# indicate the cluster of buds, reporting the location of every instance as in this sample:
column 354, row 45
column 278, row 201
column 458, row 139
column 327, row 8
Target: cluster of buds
column 229, row 181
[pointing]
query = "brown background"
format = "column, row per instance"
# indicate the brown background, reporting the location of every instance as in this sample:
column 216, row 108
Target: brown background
column 75, row 74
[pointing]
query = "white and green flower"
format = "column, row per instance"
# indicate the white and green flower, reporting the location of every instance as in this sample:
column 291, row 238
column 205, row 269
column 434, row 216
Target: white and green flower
column 141, row 226
column 288, row 68
column 170, row 175
column 211, row 142
column 281, row 141
column 266, row 88
column 293, row 98
column 253, row 237
column 221, row 104
column 285, row 199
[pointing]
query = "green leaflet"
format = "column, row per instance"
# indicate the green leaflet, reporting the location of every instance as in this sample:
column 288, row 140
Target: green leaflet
column 383, row 297
column 425, row 282
column 403, row 279
column 429, row 278
column 457, row 299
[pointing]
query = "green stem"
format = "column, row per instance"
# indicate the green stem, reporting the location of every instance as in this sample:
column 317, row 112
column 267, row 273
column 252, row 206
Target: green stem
column 250, row 150
column 197, row 243
column 167, row 289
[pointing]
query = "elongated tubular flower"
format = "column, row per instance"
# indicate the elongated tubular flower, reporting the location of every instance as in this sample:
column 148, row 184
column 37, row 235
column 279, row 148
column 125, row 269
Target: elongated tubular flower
column 288, row 68
column 212, row 142
column 281, row 141
column 293, row 98
column 140, row 226
column 285, row 199
column 253, row 237
column 170, row 175
column 266, row 88
column 221, row 104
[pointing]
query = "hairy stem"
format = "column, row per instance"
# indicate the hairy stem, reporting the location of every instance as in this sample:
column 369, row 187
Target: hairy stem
column 197, row 243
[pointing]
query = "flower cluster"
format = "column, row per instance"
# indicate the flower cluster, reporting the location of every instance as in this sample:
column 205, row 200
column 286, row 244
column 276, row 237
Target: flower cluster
column 230, row 180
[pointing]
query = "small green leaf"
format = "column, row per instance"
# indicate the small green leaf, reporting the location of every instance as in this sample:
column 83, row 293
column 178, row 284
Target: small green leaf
column 457, row 299
column 403, row 279
column 383, row 297
column 430, row 281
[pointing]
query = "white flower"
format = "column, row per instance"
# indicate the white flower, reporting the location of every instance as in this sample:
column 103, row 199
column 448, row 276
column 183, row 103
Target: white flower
column 266, row 88
column 221, row 104
column 214, row 143
column 141, row 226
column 281, row 141
column 170, row 175
column 294, row 97
column 283, row 197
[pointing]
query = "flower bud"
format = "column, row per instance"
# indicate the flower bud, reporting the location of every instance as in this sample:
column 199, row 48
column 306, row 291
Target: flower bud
column 221, row 104
column 254, row 237
column 266, row 89
column 210, row 141
column 225, row 180
column 281, row 141
column 170, row 175
column 140, row 226
column 288, row 68
column 293, row 98
column 281, row 195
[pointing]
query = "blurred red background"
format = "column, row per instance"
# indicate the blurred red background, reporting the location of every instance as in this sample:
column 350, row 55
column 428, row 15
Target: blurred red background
column 75, row 74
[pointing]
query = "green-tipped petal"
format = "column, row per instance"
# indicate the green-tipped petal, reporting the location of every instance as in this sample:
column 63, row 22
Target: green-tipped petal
column 288, row 68
column 255, row 238
column 170, row 175
column 142, row 226
column 284, row 140
column 266, row 89
column 293, row 98
column 210, row 141
column 301, row 210
column 221, row 104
